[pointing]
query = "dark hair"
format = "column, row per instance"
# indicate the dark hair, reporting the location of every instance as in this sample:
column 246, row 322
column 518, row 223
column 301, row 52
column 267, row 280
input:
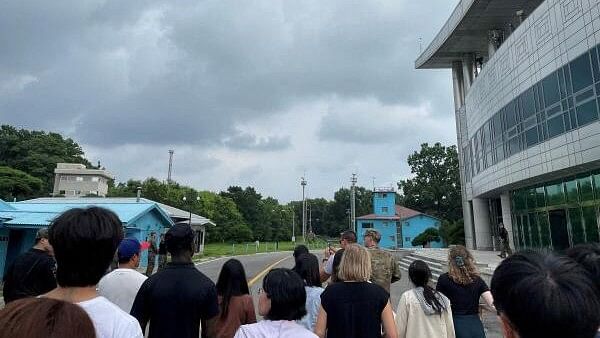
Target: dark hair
column 546, row 296
column 179, row 240
column 232, row 282
column 419, row 274
column 307, row 266
column 84, row 242
column 286, row 291
column 299, row 251
column 45, row 318
column 335, row 266
column 349, row 236
column 588, row 255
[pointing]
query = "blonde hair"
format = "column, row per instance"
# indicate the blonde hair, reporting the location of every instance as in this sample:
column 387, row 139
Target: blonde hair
column 355, row 265
column 461, row 265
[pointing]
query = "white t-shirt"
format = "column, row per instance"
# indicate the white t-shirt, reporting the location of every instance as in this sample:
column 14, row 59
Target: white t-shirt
column 109, row 320
column 269, row 328
column 121, row 286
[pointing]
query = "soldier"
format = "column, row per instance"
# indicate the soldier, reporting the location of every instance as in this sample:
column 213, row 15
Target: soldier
column 151, row 254
column 385, row 269
column 162, row 253
column 506, row 250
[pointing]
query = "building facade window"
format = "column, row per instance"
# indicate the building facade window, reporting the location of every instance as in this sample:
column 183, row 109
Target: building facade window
column 557, row 214
column 367, row 225
column 407, row 239
column 384, row 209
column 566, row 99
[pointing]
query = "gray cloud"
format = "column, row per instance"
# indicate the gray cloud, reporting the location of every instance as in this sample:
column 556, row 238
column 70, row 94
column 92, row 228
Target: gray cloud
column 122, row 75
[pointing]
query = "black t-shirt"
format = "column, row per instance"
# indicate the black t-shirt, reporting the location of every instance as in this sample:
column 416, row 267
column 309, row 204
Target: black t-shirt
column 464, row 299
column 162, row 248
column 31, row 274
column 174, row 300
column 354, row 309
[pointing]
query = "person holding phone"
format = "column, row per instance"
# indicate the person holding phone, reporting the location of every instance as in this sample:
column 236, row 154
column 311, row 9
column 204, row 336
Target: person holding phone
column 347, row 237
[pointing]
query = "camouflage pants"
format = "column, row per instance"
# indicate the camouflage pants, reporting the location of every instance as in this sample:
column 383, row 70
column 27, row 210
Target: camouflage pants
column 506, row 250
column 162, row 262
column 150, row 267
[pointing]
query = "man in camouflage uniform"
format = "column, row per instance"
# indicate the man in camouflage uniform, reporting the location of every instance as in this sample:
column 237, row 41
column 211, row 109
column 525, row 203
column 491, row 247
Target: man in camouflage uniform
column 385, row 269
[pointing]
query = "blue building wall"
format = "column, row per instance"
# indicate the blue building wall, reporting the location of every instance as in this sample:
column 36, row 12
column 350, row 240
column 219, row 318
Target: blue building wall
column 150, row 222
column 3, row 249
column 387, row 229
column 414, row 226
column 384, row 203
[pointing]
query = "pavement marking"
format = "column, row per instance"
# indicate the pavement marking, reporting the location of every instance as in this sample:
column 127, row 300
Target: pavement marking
column 209, row 261
column 265, row 271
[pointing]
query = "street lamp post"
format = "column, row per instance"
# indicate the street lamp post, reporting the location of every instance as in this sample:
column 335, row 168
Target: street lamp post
column 303, row 184
column 190, row 208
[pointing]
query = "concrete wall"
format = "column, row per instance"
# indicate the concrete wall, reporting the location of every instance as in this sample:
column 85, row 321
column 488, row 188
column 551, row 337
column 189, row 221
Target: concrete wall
column 414, row 226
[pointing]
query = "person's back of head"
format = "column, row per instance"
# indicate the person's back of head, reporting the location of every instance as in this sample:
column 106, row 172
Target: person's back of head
column 335, row 267
column 285, row 290
column 588, row 255
column 461, row 265
column 299, row 250
column 355, row 265
column 44, row 318
column 349, row 236
column 420, row 274
column 84, row 242
column 307, row 267
column 128, row 252
column 179, row 241
column 231, row 282
column 545, row 296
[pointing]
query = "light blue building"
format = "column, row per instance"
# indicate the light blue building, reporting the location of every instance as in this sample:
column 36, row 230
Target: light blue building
column 20, row 221
column 397, row 225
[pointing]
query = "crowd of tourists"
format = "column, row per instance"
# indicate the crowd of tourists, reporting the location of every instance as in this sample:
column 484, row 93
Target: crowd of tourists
column 61, row 288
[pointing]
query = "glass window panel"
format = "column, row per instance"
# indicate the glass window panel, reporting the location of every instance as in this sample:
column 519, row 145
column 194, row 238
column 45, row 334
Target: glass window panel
column 511, row 115
column 519, row 231
column 577, row 234
column 595, row 68
column 534, row 231
column 571, row 187
column 585, row 95
column 587, row 113
column 544, row 229
column 550, row 88
column 591, row 224
column 596, row 183
column 573, row 118
column 526, row 237
column 540, row 197
column 513, row 145
column 586, row 193
column 554, row 194
column 519, row 198
column 499, row 153
column 556, row 126
column 530, row 195
column 568, row 80
column 497, row 125
column 528, row 103
column 581, row 72
column 567, row 120
column 530, row 122
column 531, row 137
column 553, row 111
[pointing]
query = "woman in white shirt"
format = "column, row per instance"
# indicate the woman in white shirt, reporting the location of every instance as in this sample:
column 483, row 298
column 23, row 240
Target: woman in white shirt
column 423, row 312
column 281, row 302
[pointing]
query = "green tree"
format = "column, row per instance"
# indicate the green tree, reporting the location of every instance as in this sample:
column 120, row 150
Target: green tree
column 435, row 185
column 18, row 184
column 37, row 152
column 426, row 237
column 453, row 232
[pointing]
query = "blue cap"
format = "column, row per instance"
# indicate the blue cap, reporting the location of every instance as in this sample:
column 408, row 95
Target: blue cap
column 128, row 248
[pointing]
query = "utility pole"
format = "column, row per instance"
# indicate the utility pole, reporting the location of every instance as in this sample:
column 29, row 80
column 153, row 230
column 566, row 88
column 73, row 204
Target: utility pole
column 293, row 226
column 303, row 184
column 171, row 152
column 309, row 220
column 353, row 180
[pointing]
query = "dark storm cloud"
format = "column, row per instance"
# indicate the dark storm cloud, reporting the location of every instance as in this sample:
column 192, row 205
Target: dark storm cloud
column 245, row 141
column 113, row 72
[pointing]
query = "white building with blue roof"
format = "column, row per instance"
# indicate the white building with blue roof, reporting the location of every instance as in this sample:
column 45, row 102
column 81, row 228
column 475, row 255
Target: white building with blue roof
column 19, row 221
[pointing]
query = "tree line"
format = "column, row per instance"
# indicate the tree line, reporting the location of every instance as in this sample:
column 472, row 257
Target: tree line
column 28, row 159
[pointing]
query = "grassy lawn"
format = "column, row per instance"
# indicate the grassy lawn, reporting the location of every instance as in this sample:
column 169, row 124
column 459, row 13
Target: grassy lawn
column 229, row 249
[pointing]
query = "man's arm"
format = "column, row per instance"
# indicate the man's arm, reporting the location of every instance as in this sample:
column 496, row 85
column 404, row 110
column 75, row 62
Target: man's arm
column 140, row 309
column 326, row 269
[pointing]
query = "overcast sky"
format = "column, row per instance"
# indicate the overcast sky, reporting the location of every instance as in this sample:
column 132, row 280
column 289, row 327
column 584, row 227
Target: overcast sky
column 246, row 92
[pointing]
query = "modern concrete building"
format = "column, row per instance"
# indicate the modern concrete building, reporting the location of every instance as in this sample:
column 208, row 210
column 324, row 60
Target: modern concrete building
column 397, row 225
column 75, row 180
column 526, row 78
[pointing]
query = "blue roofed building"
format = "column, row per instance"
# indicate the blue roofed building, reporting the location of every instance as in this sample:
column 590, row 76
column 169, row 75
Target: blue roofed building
column 19, row 221
column 397, row 225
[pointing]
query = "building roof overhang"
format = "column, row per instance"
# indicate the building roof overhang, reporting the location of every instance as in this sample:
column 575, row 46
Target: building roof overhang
column 467, row 29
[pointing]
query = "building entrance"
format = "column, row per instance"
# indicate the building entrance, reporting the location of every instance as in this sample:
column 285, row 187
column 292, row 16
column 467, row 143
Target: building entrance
column 558, row 229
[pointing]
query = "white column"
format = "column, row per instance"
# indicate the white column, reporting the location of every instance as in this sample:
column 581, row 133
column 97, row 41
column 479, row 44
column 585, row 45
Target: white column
column 467, row 219
column 507, row 217
column 203, row 231
column 481, row 216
